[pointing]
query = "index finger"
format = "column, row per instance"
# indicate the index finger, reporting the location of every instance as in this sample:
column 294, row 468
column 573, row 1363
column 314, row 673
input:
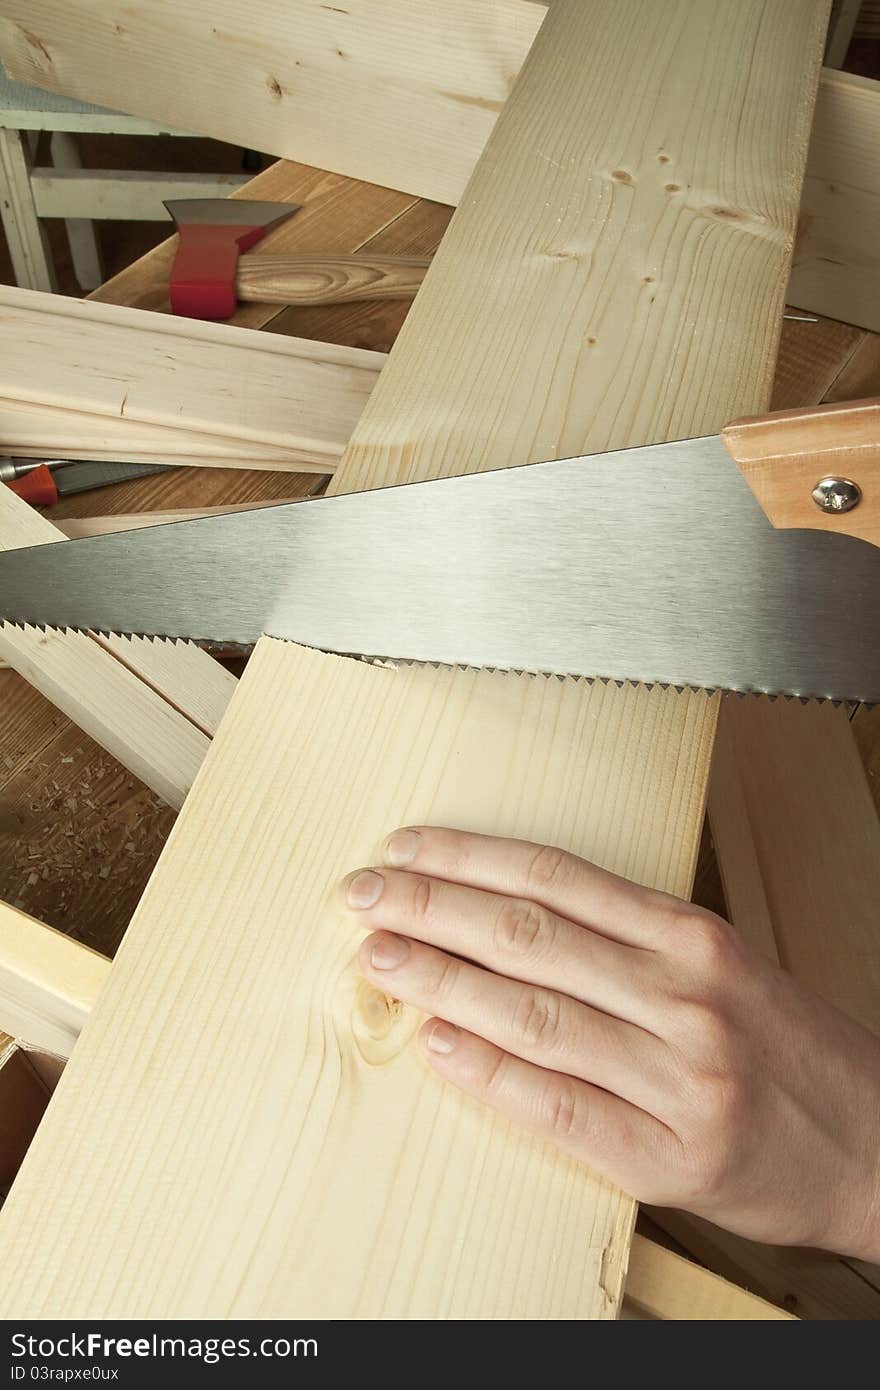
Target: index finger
column 561, row 882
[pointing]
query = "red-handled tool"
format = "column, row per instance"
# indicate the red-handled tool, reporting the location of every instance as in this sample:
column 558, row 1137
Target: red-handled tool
column 43, row 484
column 213, row 232
column 36, row 486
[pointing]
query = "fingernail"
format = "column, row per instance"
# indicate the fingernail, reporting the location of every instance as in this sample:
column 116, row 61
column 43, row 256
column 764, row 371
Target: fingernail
column 365, row 889
column 442, row 1038
column 401, row 847
column 389, row 952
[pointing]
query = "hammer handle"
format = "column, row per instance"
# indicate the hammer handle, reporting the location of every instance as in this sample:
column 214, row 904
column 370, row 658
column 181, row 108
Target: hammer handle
column 328, row 279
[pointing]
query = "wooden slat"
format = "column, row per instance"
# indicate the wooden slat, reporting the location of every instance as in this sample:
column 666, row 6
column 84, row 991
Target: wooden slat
column 107, row 360
column 666, row 1286
column 836, row 267
column 48, row 983
column 328, row 1121
column 811, row 1284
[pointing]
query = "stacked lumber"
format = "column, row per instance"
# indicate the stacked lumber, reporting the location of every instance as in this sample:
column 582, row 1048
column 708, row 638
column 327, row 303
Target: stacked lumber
column 89, row 380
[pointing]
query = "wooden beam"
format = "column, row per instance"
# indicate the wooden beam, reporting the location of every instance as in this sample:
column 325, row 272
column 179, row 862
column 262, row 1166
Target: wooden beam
column 48, row 983
column 562, row 240
column 836, row 266
column 103, row 359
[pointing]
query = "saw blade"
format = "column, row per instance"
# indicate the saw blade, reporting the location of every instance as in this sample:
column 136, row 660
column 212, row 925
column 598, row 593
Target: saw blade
column 653, row 564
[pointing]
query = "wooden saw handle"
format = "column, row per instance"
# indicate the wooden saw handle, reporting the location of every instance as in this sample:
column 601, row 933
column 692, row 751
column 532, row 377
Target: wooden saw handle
column 785, row 457
column 328, row 279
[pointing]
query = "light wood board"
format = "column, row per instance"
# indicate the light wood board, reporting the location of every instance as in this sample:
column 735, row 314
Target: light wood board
column 620, row 773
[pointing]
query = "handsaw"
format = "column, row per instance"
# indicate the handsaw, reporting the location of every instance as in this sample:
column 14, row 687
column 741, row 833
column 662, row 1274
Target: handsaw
column 746, row 561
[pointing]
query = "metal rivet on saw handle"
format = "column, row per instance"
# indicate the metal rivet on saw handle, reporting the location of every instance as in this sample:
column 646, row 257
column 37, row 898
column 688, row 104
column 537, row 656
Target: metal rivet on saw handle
column 836, row 495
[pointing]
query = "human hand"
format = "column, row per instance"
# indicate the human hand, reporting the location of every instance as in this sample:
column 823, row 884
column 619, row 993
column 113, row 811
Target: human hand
column 638, row 1032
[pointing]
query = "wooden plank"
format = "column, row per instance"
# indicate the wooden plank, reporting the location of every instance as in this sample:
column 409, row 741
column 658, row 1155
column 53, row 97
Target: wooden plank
column 105, row 359
column 616, row 773
column 836, row 266
column 666, row 1286
column 48, row 983
column 399, row 95
column 128, row 718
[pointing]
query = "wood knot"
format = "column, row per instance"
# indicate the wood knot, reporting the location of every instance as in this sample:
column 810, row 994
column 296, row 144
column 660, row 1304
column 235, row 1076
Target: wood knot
column 380, row 1025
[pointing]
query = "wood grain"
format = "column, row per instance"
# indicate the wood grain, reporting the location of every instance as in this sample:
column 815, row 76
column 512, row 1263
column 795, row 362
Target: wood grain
column 625, row 768
column 328, row 280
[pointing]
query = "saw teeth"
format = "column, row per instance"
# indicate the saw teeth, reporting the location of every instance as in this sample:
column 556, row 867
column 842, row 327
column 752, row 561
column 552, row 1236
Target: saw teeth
column 242, row 649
